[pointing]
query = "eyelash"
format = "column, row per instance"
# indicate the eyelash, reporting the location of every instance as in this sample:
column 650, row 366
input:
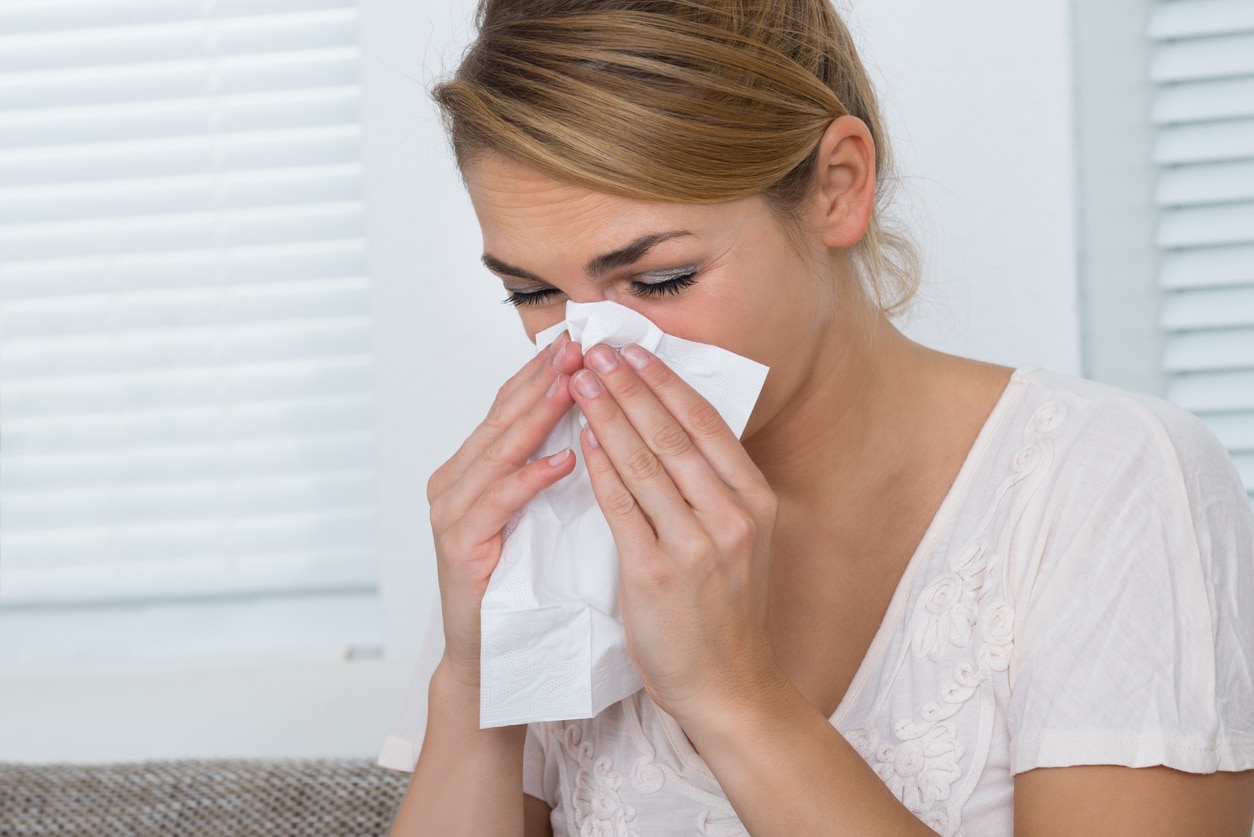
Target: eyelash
column 667, row 287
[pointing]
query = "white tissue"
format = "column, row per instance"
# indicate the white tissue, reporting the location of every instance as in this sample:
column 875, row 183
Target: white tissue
column 553, row 646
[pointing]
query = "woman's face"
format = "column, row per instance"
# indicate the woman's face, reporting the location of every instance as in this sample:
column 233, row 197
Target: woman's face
column 727, row 274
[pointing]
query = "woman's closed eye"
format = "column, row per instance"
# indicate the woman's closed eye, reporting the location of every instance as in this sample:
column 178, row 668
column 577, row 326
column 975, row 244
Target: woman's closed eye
column 664, row 284
column 537, row 297
column 656, row 285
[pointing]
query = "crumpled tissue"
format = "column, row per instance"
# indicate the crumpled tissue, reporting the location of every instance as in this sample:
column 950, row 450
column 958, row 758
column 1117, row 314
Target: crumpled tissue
column 553, row 645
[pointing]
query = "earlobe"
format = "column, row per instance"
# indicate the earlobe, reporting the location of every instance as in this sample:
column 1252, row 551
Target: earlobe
column 845, row 167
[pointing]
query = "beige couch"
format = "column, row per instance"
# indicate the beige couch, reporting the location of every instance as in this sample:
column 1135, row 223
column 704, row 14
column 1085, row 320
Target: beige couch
column 326, row 798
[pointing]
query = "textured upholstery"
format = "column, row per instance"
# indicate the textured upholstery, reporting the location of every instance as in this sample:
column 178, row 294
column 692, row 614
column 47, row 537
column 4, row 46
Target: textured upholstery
column 327, row 798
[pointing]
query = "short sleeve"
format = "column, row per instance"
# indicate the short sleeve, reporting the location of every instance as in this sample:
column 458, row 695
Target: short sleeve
column 1135, row 635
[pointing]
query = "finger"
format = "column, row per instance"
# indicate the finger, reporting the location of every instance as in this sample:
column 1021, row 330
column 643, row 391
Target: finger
column 508, row 451
column 555, row 349
column 514, row 398
column 638, row 467
column 688, row 467
column 631, row 529
column 500, row 501
column 525, row 387
column 699, row 419
column 511, row 398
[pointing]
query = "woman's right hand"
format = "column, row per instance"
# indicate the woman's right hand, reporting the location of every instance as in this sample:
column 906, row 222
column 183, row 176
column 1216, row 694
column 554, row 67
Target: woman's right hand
column 479, row 489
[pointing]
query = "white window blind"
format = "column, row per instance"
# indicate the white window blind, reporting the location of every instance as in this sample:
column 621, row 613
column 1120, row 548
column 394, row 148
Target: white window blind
column 185, row 338
column 1203, row 73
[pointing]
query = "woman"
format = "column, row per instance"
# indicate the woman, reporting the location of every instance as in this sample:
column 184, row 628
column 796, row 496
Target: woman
column 921, row 594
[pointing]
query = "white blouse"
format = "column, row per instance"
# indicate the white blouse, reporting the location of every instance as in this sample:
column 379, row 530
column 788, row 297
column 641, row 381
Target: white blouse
column 1084, row 595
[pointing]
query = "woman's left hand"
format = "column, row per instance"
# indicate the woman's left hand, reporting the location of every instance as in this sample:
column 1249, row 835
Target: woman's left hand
column 692, row 517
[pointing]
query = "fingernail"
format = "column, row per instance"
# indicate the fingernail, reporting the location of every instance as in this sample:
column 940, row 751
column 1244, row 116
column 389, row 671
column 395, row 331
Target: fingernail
column 586, row 384
column 636, row 357
column 559, row 346
column 601, row 358
column 592, row 438
column 557, row 460
column 553, row 387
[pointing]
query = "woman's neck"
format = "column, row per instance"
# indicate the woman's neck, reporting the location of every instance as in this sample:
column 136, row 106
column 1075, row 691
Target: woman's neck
column 847, row 425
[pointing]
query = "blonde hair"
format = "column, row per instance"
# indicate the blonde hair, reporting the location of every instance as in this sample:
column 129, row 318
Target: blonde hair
column 684, row 101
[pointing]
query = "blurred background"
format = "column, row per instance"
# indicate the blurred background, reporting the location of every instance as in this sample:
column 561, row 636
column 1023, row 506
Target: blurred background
column 242, row 317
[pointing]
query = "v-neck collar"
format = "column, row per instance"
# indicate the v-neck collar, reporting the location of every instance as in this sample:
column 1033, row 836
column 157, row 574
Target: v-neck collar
column 953, row 499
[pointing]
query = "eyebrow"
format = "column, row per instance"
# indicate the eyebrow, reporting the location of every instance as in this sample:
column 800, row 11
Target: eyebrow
column 495, row 265
column 598, row 266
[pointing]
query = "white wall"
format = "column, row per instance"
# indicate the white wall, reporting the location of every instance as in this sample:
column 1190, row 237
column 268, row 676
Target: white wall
column 979, row 99
column 978, row 95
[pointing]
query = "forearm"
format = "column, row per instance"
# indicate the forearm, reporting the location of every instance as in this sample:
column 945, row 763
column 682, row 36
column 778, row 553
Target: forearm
column 788, row 771
column 468, row 781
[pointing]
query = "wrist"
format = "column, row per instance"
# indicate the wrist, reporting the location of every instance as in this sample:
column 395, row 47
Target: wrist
column 453, row 707
column 719, row 722
column 787, row 770
column 455, row 674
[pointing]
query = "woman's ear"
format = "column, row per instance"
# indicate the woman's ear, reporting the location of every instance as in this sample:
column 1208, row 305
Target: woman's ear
column 845, row 168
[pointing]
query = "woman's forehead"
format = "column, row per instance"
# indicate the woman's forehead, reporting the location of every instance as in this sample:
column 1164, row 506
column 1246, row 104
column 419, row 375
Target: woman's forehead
column 516, row 201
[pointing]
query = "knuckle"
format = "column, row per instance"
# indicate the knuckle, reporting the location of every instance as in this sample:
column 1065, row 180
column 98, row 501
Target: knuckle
column 704, row 420
column 494, row 453
column 495, row 495
column 440, row 518
column 657, row 373
column 656, row 575
column 529, row 477
column 647, row 572
column 765, row 506
column 671, row 440
column 619, row 502
column 643, row 466
column 693, row 549
column 496, row 419
column 629, row 387
column 739, row 529
column 438, row 483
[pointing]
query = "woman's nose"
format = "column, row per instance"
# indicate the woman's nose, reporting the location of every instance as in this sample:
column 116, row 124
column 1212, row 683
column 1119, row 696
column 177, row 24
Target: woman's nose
column 590, row 293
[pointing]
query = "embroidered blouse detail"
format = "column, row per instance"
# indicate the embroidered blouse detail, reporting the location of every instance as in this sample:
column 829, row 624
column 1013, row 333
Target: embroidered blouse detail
column 592, row 789
column 599, row 808
column 960, row 624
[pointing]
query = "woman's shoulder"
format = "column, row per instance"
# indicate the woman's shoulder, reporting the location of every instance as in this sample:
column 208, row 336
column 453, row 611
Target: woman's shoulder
column 1130, row 555
column 1095, row 538
column 1093, row 401
column 1107, row 426
column 1079, row 485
